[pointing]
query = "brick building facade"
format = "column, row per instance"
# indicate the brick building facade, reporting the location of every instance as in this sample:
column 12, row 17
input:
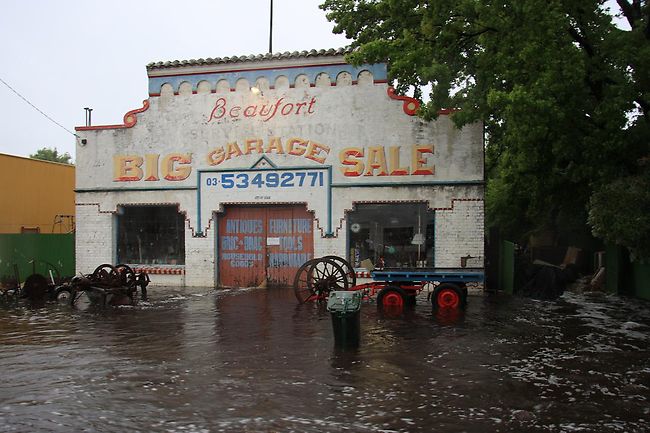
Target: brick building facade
column 237, row 170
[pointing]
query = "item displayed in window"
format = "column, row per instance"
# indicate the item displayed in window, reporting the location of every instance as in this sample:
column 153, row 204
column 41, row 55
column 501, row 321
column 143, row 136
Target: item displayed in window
column 396, row 235
column 151, row 235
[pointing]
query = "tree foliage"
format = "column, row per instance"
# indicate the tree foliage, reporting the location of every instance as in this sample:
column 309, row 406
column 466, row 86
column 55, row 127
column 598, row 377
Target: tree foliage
column 620, row 212
column 52, row 154
column 564, row 91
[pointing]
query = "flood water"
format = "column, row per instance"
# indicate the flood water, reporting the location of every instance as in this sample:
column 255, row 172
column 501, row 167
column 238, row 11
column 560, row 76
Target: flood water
column 191, row 360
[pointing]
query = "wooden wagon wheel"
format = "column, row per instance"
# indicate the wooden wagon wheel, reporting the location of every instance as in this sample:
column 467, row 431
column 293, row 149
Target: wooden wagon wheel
column 326, row 276
column 347, row 267
column 302, row 287
column 317, row 278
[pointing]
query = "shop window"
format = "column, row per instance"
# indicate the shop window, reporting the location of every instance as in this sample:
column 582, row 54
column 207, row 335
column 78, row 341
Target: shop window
column 391, row 235
column 150, row 235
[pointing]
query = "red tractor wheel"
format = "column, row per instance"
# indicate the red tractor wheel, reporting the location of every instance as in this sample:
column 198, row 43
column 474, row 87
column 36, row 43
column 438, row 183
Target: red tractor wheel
column 448, row 296
column 391, row 301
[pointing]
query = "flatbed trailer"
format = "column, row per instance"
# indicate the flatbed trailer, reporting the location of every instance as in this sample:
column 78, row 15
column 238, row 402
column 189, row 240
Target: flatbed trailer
column 394, row 288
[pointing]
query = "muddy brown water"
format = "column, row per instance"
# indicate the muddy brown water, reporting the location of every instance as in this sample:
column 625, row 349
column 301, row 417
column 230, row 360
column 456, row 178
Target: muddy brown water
column 190, row 360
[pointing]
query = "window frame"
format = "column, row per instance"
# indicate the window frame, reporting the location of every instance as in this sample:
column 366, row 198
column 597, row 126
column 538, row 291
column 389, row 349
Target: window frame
column 175, row 227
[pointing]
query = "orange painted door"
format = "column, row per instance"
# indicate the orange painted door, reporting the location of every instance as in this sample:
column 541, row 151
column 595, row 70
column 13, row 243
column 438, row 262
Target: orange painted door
column 240, row 247
column 263, row 246
column 289, row 243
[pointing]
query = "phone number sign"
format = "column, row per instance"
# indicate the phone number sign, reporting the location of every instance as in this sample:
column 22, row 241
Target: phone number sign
column 309, row 185
column 264, row 180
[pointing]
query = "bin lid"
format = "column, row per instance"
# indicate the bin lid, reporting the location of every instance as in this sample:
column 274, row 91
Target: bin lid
column 344, row 301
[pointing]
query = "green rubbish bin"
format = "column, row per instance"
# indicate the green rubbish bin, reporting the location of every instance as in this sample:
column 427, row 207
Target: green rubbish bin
column 345, row 309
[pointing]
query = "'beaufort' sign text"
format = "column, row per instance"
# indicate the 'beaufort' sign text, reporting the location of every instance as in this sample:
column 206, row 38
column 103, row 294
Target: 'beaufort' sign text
column 264, row 111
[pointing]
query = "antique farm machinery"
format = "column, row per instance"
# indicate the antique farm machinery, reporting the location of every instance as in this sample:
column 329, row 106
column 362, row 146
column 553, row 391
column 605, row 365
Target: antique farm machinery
column 107, row 285
column 394, row 289
column 38, row 287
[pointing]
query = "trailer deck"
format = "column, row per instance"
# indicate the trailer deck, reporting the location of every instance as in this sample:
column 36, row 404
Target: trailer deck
column 395, row 288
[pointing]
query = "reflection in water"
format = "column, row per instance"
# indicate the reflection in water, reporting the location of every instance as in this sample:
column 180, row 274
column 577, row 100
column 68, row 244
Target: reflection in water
column 253, row 360
column 449, row 316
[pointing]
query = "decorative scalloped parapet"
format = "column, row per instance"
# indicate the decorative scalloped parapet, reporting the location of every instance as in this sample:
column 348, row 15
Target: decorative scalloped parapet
column 312, row 74
column 130, row 119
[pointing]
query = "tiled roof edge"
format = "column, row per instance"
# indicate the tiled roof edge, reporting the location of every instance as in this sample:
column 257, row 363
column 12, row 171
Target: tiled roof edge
column 251, row 58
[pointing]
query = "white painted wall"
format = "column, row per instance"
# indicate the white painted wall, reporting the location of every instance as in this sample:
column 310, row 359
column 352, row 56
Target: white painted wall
column 338, row 118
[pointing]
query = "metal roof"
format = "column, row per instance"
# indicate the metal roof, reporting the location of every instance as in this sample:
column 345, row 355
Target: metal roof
column 251, row 58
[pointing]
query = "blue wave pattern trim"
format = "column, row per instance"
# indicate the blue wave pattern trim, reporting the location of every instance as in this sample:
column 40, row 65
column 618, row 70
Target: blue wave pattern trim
column 378, row 71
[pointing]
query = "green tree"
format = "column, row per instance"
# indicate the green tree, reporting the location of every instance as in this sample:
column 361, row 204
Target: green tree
column 620, row 212
column 52, row 154
column 563, row 91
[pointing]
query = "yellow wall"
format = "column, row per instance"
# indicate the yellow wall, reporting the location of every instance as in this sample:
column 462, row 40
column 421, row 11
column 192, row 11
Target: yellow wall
column 33, row 192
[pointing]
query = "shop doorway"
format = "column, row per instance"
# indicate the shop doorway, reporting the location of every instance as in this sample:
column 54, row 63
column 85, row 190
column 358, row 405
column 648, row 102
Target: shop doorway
column 263, row 245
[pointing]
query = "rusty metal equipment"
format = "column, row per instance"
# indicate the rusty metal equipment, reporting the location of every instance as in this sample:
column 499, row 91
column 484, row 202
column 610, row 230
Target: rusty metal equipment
column 108, row 285
column 37, row 287
column 14, row 291
column 394, row 289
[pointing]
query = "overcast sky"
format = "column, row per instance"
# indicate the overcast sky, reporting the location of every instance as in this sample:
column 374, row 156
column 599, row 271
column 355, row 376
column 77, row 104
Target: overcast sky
column 65, row 55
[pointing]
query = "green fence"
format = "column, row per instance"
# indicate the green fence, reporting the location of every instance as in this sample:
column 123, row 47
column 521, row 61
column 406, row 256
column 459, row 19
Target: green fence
column 506, row 266
column 622, row 275
column 36, row 252
column 641, row 280
column 625, row 276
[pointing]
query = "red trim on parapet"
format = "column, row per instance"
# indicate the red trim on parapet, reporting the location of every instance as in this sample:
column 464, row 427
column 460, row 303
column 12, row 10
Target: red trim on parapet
column 130, row 119
column 410, row 105
column 454, row 200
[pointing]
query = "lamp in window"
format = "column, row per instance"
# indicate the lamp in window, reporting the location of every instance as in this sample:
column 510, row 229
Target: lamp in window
column 418, row 239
